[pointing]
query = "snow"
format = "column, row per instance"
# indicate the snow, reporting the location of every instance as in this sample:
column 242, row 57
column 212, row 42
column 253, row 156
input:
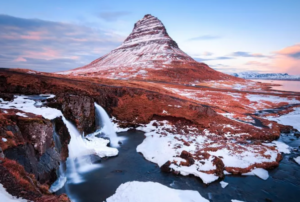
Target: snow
column 6, row 197
column 4, row 139
column 271, row 98
column 23, row 103
column 147, row 47
column 282, row 147
column 259, row 172
column 234, row 200
column 21, row 114
column 151, row 191
column 290, row 119
column 297, row 159
column 223, row 184
column 164, row 144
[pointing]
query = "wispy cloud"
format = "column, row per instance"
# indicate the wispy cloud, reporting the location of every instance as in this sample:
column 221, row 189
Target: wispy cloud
column 113, row 16
column 247, row 54
column 210, row 59
column 51, row 46
column 205, row 37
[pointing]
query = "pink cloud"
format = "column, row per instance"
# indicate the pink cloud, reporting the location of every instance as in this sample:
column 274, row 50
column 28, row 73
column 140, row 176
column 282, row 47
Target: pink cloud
column 286, row 60
column 20, row 59
column 290, row 50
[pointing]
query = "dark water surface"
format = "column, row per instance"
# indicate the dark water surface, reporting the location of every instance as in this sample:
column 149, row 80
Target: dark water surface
column 282, row 185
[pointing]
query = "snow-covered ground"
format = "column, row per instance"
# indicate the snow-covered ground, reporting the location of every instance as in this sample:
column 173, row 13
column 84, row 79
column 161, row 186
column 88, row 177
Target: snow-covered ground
column 291, row 119
column 153, row 192
column 271, row 98
column 6, row 197
column 163, row 144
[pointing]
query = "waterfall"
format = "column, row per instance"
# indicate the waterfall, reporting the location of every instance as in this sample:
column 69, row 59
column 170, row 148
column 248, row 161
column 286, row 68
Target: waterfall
column 107, row 128
column 81, row 148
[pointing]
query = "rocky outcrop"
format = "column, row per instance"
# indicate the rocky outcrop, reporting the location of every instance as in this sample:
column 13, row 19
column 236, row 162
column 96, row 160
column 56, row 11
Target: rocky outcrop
column 29, row 159
column 79, row 109
column 29, row 141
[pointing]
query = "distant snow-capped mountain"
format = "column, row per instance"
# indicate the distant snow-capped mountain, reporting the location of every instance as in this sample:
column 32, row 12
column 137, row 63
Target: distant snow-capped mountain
column 254, row 75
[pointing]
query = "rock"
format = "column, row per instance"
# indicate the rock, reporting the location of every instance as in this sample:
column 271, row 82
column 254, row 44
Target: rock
column 188, row 157
column 219, row 167
column 37, row 131
column 7, row 96
column 166, row 167
column 43, row 167
column 2, row 156
column 78, row 109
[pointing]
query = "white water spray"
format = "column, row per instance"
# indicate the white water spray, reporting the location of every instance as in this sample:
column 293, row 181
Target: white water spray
column 107, row 127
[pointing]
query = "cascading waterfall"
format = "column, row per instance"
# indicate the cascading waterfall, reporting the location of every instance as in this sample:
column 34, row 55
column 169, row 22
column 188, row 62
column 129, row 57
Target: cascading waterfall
column 107, row 128
column 80, row 150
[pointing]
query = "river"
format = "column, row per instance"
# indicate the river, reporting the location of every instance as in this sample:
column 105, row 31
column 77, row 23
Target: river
column 282, row 185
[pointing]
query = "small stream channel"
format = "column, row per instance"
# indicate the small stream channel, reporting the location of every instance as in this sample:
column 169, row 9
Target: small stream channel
column 282, row 185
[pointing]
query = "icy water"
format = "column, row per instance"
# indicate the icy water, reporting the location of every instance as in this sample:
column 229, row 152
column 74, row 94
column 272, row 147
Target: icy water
column 282, row 185
column 285, row 85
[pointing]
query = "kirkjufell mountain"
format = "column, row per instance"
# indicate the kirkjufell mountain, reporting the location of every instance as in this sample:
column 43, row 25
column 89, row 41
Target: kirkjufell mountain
column 149, row 53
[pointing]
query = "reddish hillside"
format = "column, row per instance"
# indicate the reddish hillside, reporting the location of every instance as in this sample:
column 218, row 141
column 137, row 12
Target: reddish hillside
column 149, row 53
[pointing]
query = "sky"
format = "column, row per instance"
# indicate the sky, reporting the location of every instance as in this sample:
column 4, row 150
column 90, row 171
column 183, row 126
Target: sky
column 229, row 36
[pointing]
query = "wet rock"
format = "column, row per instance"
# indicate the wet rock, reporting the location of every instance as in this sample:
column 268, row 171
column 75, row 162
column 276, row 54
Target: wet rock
column 166, row 167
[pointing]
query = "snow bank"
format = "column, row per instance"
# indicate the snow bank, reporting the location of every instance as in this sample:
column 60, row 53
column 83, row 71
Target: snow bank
column 290, row 119
column 6, row 197
column 152, row 191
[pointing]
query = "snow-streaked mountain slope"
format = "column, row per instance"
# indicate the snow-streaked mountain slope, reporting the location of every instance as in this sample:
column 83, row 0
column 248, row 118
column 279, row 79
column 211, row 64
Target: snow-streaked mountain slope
column 254, row 75
column 148, row 53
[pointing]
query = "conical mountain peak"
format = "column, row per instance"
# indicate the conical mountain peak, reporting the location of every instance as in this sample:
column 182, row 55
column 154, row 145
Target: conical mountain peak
column 148, row 53
column 148, row 28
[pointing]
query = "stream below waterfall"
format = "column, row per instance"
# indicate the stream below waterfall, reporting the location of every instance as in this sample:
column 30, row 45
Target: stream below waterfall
column 102, row 182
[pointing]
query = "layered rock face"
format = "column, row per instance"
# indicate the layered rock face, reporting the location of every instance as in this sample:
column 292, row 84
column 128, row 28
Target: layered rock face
column 149, row 53
column 28, row 158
